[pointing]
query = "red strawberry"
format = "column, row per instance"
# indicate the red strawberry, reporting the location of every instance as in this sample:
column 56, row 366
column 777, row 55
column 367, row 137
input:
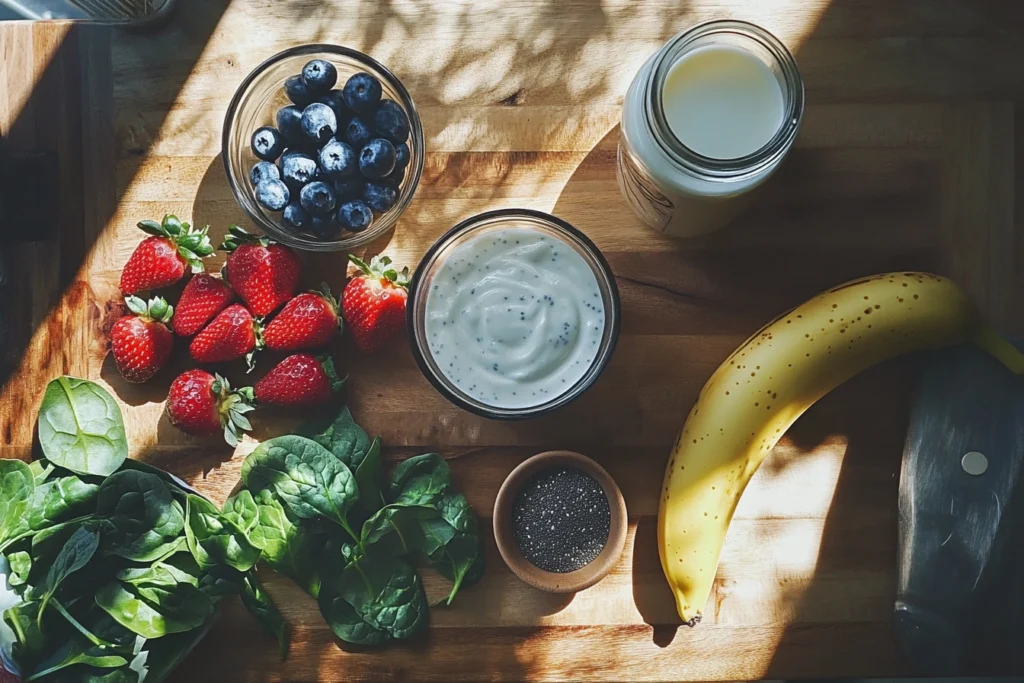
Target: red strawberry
column 373, row 303
column 264, row 273
column 308, row 321
column 204, row 297
column 299, row 380
column 161, row 260
column 141, row 343
column 202, row 404
column 231, row 335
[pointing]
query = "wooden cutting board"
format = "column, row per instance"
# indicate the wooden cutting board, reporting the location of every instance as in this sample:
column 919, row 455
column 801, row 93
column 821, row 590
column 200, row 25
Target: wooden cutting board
column 906, row 160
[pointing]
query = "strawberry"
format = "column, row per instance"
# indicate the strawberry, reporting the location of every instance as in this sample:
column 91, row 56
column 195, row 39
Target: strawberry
column 203, row 297
column 308, row 321
column 373, row 302
column 231, row 335
column 264, row 273
column 161, row 260
column 202, row 404
column 299, row 380
column 141, row 343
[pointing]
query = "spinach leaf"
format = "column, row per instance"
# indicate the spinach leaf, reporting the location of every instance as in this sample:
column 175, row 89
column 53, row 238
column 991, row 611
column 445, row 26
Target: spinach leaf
column 220, row 581
column 80, row 427
column 29, row 639
column 49, row 541
column 460, row 557
column 59, row 500
column 145, row 521
column 240, row 509
column 285, row 544
column 104, row 625
column 79, row 651
column 179, row 568
column 420, row 480
column 307, row 477
column 262, row 608
column 436, row 534
column 75, row 554
column 41, row 470
column 154, row 611
column 21, row 566
column 91, row 674
column 455, row 510
column 213, row 540
column 342, row 437
column 172, row 482
column 16, row 487
column 395, row 529
column 461, row 561
column 343, row 619
column 370, row 481
column 386, row 592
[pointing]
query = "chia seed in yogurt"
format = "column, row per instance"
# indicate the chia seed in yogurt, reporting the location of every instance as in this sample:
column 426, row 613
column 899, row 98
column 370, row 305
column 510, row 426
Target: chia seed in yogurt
column 514, row 317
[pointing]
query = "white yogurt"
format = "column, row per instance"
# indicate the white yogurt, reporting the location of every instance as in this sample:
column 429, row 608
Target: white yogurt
column 514, row 317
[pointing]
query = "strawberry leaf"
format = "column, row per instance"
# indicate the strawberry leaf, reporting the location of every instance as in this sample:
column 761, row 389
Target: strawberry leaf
column 172, row 225
column 152, row 228
column 136, row 305
column 360, row 264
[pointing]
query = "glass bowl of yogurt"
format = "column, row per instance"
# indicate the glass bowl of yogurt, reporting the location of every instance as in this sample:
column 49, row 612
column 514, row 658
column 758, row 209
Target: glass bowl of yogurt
column 513, row 313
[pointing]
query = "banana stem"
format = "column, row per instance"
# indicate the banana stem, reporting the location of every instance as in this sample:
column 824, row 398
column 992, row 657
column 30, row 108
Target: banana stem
column 1000, row 349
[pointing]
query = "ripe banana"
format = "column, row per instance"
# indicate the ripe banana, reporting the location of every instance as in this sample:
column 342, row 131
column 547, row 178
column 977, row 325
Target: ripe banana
column 769, row 381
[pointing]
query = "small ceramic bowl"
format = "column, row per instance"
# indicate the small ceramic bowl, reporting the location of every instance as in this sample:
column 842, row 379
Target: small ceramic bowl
column 553, row 582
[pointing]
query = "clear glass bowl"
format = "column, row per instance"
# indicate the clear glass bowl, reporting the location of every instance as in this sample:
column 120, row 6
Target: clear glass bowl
column 259, row 97
column 491, row 221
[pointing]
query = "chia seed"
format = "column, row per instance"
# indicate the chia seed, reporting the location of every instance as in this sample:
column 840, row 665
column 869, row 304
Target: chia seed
column 561, row 519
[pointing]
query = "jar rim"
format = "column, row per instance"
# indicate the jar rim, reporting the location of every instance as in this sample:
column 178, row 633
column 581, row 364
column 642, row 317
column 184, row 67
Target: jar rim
column 502, row 218
column 710, row 168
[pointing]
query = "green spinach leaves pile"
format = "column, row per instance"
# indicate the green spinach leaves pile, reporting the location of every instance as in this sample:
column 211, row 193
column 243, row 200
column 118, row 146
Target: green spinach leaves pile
column 119, row 568
column 320, row 509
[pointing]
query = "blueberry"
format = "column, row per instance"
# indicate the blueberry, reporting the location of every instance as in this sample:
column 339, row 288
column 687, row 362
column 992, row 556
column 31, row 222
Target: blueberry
column 317, row 198
column 402, row 156
column 355, row 216
column 296, row 217
column 325, row 228
column 335, row 99
column 395, row 177
column 358, row 133
column 319, row 123
column 267, row 143
column 362, row 93
column 338, row 159
column 264, row 170
column 346, row 189
column 319, row 75
column 380, row 195
column 289, row 122
column 273, row 194
column 391, row 121
column 298, row 169
column 377, row 158
column 298, row 92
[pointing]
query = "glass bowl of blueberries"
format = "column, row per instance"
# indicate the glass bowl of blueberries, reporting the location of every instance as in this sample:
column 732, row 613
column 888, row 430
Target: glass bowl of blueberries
column 323, row 147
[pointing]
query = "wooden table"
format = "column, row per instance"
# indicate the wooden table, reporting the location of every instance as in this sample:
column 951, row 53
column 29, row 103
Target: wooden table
column 906, row 160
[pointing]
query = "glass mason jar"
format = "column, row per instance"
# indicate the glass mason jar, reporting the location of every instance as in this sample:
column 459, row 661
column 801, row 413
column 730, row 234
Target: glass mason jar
column 673, row 188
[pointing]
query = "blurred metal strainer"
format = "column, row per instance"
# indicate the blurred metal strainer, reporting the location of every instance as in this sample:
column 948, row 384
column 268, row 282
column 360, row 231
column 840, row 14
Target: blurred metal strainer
column 136, row 13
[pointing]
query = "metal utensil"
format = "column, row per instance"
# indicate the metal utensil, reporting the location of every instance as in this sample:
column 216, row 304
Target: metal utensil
column 126, row 12
column 962, row 459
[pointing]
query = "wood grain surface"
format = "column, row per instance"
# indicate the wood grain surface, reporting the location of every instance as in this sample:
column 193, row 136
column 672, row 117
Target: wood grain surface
column 906, row 160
